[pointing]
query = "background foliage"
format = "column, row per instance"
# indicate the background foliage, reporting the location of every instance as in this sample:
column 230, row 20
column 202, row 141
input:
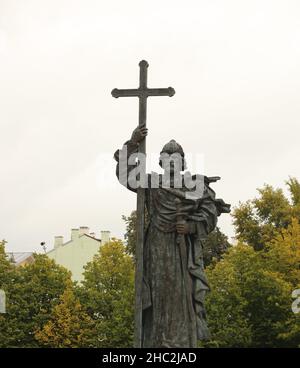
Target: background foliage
column 251, row 286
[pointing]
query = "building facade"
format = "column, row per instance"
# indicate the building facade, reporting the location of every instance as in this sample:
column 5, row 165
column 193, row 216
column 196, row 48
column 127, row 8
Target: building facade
column 77, row 252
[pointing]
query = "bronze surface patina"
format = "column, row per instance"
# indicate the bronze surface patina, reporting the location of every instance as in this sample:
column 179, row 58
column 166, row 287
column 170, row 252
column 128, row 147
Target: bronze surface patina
column 170, row 280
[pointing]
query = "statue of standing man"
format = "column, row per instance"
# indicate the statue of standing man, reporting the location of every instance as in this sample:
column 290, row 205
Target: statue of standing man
column 174, row 283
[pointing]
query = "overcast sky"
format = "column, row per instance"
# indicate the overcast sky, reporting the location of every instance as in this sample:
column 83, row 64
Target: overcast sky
column 235, row 68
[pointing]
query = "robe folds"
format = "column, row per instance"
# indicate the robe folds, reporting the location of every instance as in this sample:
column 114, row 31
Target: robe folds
column 174, row 282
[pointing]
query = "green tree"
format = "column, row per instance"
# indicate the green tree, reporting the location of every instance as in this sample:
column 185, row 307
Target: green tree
column 69, row 325
column 8, row 282
column 215, row 246
column 6, row 268
column 31, row 293
column 130, row 234
column 107, row 293
column 259, row 220
column 41, row 285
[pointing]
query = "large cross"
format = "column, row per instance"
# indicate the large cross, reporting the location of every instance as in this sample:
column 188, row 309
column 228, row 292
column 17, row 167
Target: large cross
column 143, row 92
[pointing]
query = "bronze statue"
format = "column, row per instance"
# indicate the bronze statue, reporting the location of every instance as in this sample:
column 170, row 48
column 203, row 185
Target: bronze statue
column 170, row 282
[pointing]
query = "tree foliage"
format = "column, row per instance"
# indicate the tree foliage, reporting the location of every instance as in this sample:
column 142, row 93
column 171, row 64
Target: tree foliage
column 69, row 325
column 31, row 292
column 249, row 304
column 107, row 293
column 130, row 233
column 258, row 221
column 8, row 281
column 215, row 246
column 251, row 297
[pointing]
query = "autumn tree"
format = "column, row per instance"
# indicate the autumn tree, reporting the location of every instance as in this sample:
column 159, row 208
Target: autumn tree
column 251, row 294
column 69, row 325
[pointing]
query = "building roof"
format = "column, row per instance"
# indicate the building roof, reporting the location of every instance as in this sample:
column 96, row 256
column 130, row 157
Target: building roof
column 92, row 237
column 71, row 240
column 18, row 257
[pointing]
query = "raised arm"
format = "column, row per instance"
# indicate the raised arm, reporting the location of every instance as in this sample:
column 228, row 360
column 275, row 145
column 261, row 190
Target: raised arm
column 131, row 146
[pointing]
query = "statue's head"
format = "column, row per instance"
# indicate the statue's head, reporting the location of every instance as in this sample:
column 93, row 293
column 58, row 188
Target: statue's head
column 172, row 156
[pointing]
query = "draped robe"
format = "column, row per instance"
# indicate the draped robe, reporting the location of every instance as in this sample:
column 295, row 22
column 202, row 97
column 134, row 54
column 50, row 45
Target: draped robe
column 174, row 282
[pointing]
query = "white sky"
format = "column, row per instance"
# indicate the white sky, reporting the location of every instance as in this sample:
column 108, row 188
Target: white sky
column 235, row 68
